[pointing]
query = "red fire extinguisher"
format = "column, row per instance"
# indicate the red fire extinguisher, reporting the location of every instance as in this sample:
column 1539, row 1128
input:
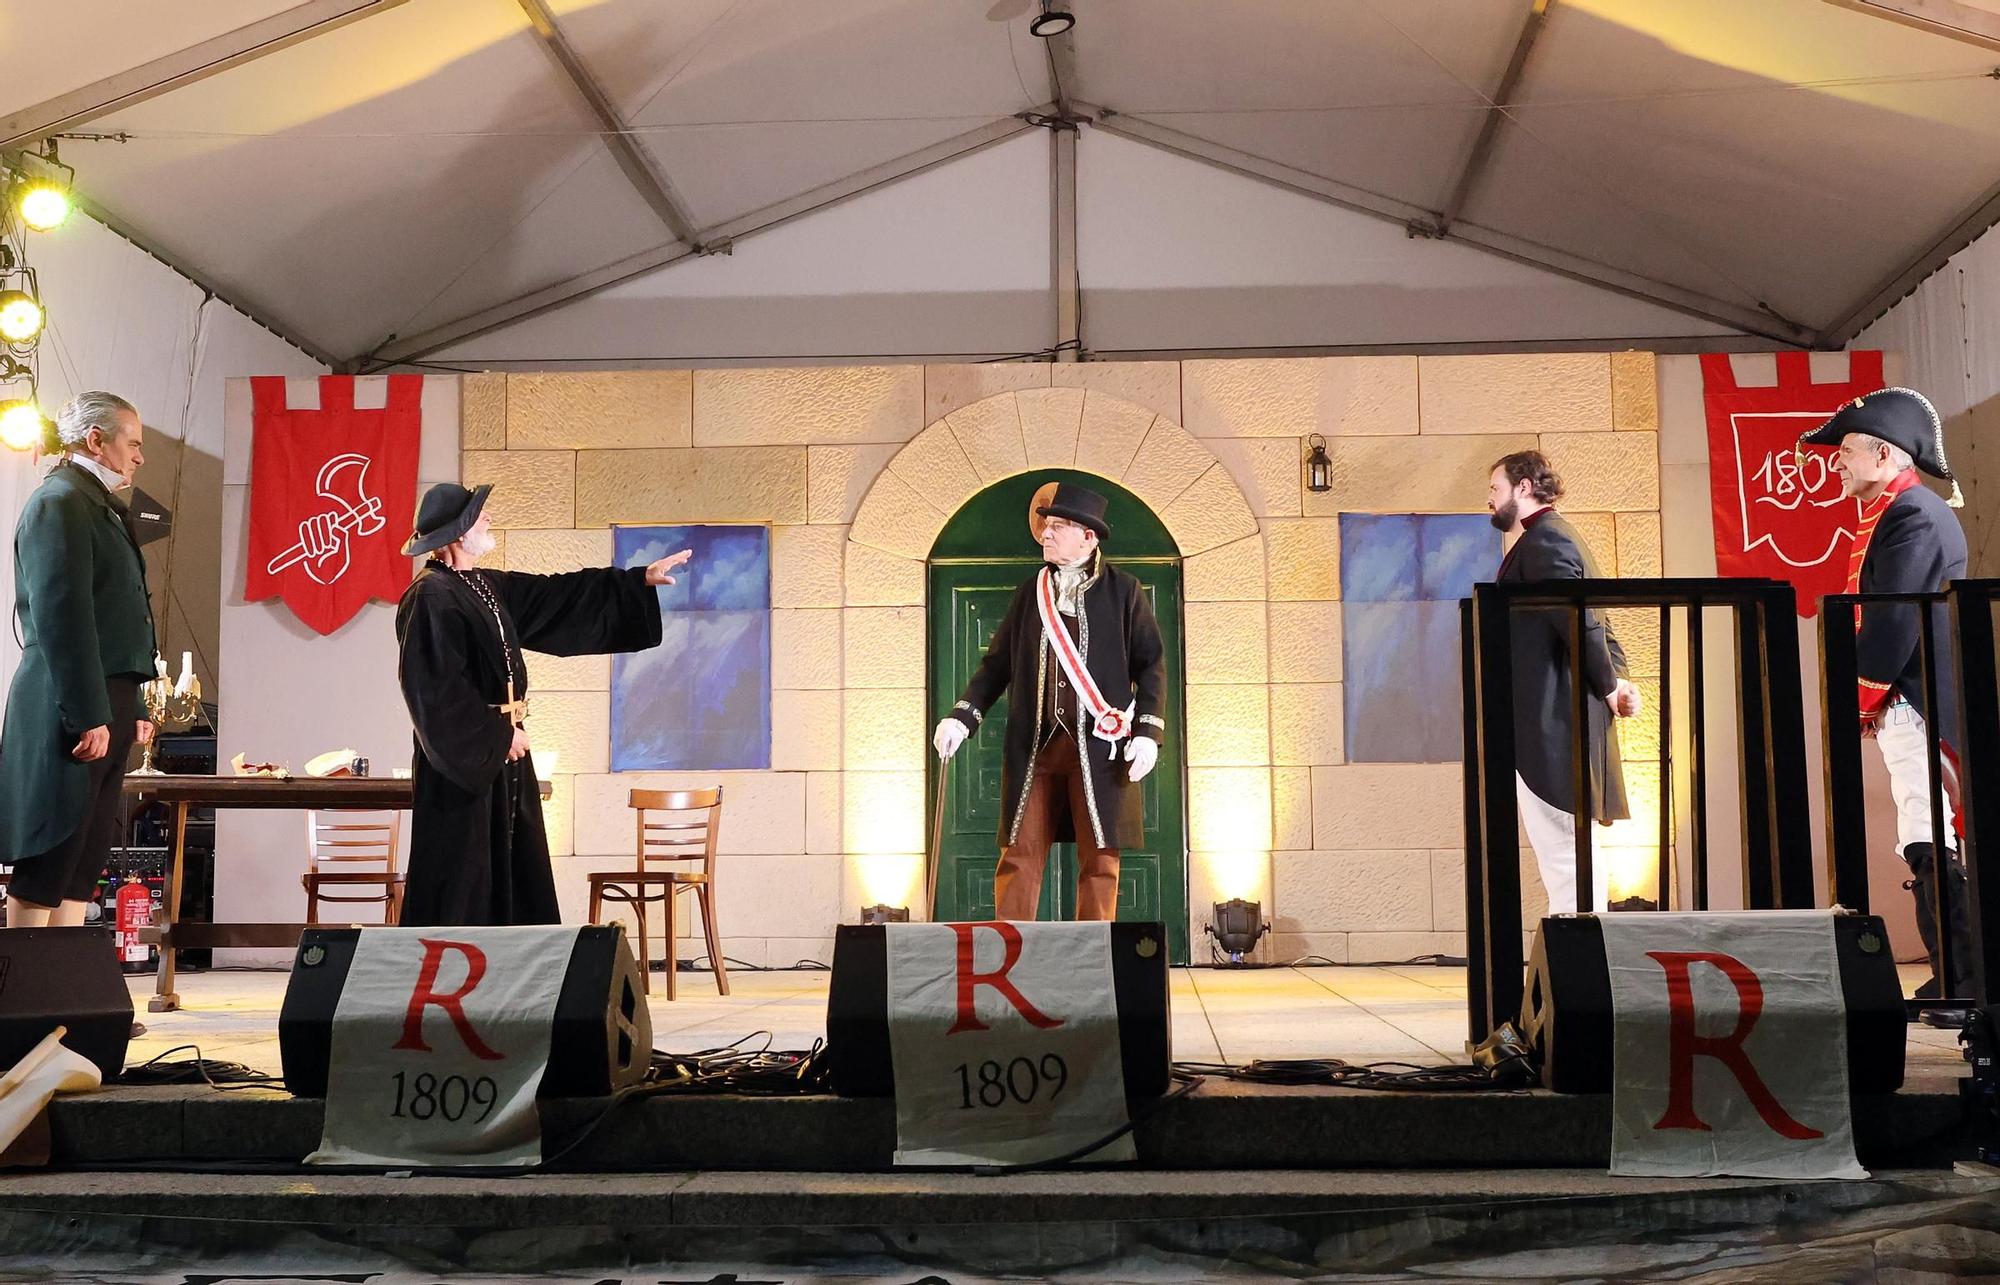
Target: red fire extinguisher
column 135, row 911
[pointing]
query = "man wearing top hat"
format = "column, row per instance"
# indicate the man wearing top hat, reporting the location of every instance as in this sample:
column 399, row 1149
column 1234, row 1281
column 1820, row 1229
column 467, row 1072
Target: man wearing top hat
column 1081, row 636
column 1908, row 541
column 478, row 853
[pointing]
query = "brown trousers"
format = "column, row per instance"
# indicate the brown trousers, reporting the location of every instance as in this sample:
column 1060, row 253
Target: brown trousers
column 1017, row 882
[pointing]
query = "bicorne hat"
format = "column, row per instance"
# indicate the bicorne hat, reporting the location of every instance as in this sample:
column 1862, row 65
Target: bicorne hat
column 1900, row 417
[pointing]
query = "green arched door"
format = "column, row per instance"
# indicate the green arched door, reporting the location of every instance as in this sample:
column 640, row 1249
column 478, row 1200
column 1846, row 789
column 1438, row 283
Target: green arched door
column 980, row 558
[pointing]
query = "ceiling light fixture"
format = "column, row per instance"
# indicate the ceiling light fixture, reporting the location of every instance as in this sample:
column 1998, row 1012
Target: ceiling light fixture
column 20, row 317
column 41, row 197
column 21, row 424
column 1051, row 22
column 43, row 206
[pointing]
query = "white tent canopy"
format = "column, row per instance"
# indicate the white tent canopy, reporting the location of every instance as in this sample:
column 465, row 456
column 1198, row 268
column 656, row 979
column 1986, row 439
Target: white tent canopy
column 624, row 182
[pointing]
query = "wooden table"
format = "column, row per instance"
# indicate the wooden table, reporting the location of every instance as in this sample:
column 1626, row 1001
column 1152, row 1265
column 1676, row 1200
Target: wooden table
column 180, row 793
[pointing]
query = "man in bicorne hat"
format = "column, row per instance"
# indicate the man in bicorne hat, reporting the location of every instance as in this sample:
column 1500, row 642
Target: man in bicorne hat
column 1909, row 541
column 1080, row 635
column 478, row 852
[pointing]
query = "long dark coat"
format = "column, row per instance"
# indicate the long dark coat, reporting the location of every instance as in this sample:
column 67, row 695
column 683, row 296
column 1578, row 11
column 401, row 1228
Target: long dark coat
column 478, row 852
column 80, row 598
column 1918, row 547
column 1120, row 642
column 1549, row 549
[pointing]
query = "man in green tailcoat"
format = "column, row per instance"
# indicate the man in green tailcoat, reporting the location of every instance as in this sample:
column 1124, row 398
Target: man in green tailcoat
column 86, row 631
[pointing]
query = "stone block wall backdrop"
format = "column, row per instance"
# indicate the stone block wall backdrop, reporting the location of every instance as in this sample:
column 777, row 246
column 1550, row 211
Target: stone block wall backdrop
column 856, row 470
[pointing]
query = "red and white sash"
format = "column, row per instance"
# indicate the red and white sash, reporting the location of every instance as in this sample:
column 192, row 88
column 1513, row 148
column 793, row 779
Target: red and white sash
column 1107, row 724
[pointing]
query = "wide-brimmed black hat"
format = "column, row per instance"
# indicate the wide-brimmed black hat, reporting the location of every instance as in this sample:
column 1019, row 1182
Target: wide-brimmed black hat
column 446, row 512
column 1899, row 416
column 1078, row 505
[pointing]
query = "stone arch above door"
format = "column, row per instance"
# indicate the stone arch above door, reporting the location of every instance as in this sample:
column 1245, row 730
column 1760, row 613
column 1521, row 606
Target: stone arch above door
column 958, row 455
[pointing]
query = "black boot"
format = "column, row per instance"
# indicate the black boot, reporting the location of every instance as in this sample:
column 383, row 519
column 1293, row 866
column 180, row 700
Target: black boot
column 1919, row 857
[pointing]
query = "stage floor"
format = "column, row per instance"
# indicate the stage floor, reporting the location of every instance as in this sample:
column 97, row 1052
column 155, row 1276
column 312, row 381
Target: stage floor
column 1409, row 1013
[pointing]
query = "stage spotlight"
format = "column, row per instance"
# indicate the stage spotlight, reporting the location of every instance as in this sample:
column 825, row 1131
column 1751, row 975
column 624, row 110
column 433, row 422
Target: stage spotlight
column 21, row 425
column 880, row 914
column 43, row 205
column 1236, row 925
column 1051, row 22
column 20, row 317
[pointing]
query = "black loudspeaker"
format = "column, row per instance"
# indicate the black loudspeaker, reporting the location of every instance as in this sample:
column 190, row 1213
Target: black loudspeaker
column 52, row 977
column 1566, row 1011
column 603, row 1036
column 857, row 1054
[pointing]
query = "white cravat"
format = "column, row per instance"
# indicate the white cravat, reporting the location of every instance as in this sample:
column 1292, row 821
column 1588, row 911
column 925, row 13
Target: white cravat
column 1070, row 580
column 112, row 479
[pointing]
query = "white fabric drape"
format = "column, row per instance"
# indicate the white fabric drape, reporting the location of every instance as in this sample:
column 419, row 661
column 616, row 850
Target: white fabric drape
column 1948, row 332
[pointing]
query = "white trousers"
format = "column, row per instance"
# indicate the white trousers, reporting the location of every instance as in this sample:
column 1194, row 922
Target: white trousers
column 1900, row 737
column 1552, row 834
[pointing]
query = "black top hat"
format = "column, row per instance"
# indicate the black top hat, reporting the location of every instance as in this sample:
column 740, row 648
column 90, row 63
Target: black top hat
column 1900, row 417
column 447, row 512
column 1078, row 505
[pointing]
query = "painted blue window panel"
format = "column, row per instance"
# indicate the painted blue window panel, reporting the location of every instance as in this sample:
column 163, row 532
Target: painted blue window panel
column 1379, row 556
column 1401, row 576
column 701, row 700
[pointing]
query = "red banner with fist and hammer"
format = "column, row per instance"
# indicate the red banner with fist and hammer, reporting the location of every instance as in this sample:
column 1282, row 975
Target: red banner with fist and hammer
column 332, row 490
column 1777, row 515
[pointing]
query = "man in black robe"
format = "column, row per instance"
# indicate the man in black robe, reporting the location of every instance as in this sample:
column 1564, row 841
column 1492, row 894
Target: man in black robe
column 1522, row 491
column 478, row 852
column 1063, row 780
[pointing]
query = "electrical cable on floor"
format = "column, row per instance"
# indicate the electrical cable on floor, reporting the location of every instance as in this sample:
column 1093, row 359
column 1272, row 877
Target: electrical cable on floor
column 728, row 1068
column 1321, row 961
column 699, row 964
column 731, row 1068
column 1504, row 1060
column 214, row 1072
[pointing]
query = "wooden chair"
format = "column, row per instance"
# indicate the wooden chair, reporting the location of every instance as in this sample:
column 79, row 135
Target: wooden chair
column 338, row 844
column 684, row 835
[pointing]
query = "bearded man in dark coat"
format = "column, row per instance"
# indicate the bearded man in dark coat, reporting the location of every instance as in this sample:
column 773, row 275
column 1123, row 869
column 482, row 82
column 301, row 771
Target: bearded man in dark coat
column 478, row 851
column 1522, row 491
column 1081, row 635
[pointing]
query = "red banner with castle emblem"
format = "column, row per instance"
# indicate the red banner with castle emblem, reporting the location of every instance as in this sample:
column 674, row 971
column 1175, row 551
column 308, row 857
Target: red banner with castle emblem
column 332, row 490
column 1778, row 515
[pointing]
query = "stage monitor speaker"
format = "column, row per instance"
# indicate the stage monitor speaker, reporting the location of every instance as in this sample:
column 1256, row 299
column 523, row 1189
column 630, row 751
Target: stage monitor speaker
column 857, row 1054
column 1566, row 1010
column 52, row 977
column 603, row 1036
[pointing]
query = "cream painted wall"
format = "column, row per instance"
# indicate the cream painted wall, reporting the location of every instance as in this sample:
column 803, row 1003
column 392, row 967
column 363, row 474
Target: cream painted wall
column 857, row 468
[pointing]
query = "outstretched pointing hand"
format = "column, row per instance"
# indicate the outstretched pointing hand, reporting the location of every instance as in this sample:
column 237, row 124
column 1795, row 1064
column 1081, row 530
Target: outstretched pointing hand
column 657, row 573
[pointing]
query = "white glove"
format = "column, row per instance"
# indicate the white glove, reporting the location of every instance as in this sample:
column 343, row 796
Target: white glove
column 1142, row 752
column 949, row 736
